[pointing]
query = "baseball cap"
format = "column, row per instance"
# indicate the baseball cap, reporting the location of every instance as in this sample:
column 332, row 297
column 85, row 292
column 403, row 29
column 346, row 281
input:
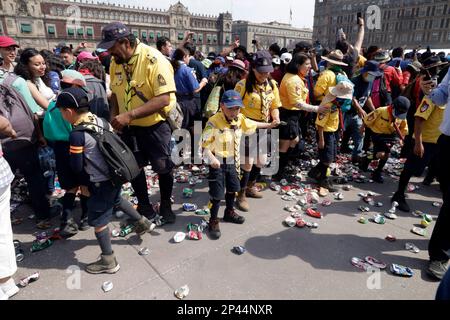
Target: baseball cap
column 239, row 65
column 72, row 98
column 372, row 67
column 263, row 61
column 74, row 77
column 86, row 55
column 401, row 106
column 221, row 59
column 111, row 33
column 231, row 99
column 6, row 42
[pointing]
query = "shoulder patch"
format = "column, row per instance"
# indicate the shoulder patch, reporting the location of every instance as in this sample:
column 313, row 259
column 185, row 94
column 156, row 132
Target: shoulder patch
column 424, row 107
column 152, row 58
column 162, row 82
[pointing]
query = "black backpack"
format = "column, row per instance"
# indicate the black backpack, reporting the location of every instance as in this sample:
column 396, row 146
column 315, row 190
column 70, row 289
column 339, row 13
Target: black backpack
column 120, row 159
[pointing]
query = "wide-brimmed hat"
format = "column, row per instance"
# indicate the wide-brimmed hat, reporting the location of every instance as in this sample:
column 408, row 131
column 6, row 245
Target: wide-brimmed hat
column 238, row 64
column 432, row 62
column 286, row 57
column 372, row 67
column 382, row 57
column 343, row 90
column 336, row 57
column 416, row 65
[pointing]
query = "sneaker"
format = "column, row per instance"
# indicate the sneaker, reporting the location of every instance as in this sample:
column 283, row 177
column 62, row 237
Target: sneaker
column 142, row 226
column 166, row 212
column 106, row 264
column 9, row 288
column 401, row 200
column 214, row 230
column 377, row 177
column 326, row 183
column 84, row 225
column 68, row 229
column 437, row 269
column 233, row 217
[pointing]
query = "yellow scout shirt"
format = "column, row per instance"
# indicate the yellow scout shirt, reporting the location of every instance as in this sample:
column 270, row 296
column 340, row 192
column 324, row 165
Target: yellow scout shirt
column 260, row 102
column 152, row 74
column 327, row 80
column 381, row 121
column 293, row 91
column 329, row 121
column 221, row 139
column 433, row 115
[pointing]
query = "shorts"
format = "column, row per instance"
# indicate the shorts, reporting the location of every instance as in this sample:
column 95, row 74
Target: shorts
column 383, row 142
column 189, row 107
column 417, row 165
column 292, row 130
column 150, row 145
column 104, row 197
column 257, row 144
column 329, row 152
column 224, row 178
column 66, row 177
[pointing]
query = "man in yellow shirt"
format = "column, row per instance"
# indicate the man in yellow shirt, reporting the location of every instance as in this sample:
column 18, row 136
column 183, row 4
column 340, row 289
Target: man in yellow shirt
column 327, row 128
column 385, row 124
column 428, row 119
column 143, row 86
column 221, row 145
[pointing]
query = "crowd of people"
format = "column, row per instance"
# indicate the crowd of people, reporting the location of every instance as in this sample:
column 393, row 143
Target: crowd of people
column 68, row 101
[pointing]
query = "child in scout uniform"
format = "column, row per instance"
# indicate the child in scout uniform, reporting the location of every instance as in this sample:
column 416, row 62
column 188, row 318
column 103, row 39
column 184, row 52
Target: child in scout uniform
column 428, row 119
column 86, row 157
column 327, row 127
column 221, row 142
column 386, row 123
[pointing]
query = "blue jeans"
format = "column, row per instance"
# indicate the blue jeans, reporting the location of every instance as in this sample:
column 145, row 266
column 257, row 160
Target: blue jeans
column 352, row 125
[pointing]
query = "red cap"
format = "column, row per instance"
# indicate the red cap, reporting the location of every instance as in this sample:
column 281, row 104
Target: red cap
column 7, row 42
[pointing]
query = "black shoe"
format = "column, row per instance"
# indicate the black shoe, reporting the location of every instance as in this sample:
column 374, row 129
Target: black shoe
column 314, row 173
column 326, row 183
column 356, row 160
column 214, row 230
column 364, row 164
column 68, row 229
column 233, row 217
column 377, row 177
column 166, row 212
column 401, row 200
column 147, row 211
column 428, row 181
column 84, row 225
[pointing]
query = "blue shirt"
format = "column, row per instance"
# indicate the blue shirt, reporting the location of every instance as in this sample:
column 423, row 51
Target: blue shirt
column 441, row 96
column 362, row 90
column 185, row 79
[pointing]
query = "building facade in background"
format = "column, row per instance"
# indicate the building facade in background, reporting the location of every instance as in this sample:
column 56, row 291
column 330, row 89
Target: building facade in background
column 268, row 33
column 398, row 23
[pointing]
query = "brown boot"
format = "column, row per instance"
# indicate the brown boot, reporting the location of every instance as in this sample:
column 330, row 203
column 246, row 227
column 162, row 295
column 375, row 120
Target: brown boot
column 252, row 192
column 241, row 201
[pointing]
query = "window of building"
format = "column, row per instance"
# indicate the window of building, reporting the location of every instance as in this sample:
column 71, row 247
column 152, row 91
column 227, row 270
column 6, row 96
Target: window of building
column 448, row 36
column 200, row 38
column 227, row 40
column 70, row 31
column 144, row 35
column 80, row 31
column 180, row 36
column 151, row 35
column 51, row 29
column 1, row 28
column 209, row 38
column 215, row 38
column 89, row 31
column 25, row 28
column 136, row 33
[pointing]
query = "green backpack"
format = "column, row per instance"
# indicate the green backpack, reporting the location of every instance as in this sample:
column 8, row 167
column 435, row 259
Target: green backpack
column 55, row 127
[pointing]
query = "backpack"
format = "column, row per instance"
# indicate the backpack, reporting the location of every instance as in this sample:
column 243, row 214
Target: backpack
column 14, row 108
column 380, row 95
column 54, row 126
column 120, row 160
column 213, row 103
column 348, row 103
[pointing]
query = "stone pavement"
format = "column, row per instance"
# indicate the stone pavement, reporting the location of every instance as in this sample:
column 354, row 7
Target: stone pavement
column 280, row 262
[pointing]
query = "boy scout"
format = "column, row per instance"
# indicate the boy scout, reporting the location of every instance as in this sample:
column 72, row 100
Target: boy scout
column 428, row 119
column 385, row 124
column 221, row 142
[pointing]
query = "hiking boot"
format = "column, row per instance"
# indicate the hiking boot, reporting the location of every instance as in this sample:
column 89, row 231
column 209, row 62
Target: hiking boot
column 377, row 177
column 252, row 192
column 437, row 269
column 142, row 226
column 314, row 173
column 84, row 225
column 241, row 201
column 147, row 211
column 106, row 264
column 214, row 230
column 68, row 229
column 166, row 212
column 364, row 164
column 233, row 217
column 326, row 183
column 401, row 200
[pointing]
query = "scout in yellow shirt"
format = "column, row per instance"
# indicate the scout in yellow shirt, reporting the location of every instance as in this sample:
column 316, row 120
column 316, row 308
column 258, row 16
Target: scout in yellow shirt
column 261, row 101
column 385, row 124
column 143, row 86
column 294, row 95
column 327, row 127
column 221, row 142
column 428, row 119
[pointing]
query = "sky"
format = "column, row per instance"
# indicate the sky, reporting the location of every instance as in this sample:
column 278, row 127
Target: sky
column 251, row 10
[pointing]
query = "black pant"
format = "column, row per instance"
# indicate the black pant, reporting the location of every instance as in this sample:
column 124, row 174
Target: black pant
column 440, row 239
column 25, row 158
